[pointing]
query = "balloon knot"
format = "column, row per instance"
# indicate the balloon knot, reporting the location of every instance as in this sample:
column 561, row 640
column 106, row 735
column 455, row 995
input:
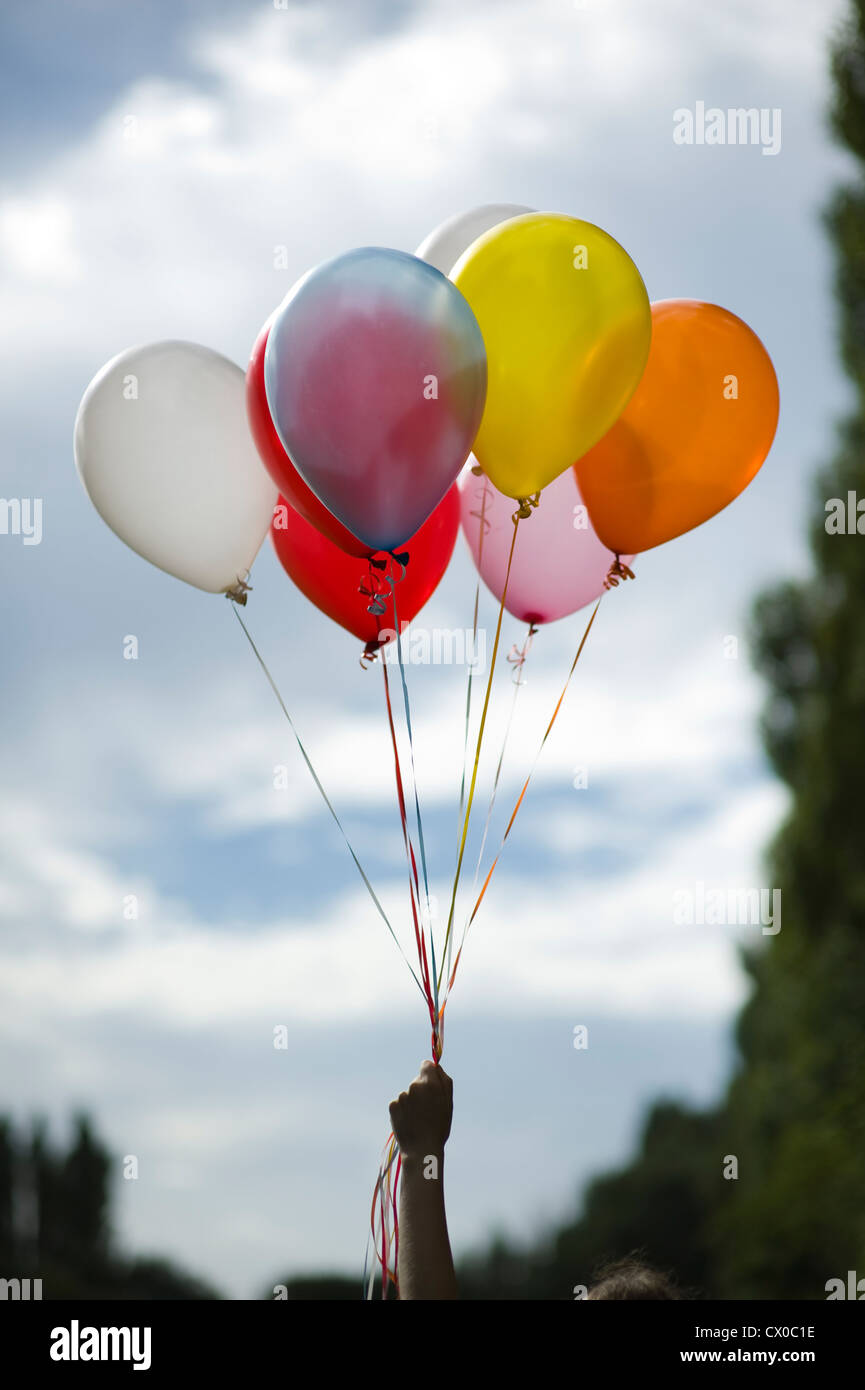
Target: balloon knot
column 477, row 470
column 238, row 593
column 369, row 653
column 525, row 508
column 618, row 571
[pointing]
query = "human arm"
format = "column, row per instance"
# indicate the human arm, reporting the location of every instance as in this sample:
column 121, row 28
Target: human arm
column 421, row 1121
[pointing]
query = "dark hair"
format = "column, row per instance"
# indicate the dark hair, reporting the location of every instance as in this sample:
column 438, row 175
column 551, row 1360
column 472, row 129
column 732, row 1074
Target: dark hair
column 632, row 1279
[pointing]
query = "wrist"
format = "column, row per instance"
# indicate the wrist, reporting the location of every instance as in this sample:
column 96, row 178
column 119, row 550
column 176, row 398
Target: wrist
column 418, row 1161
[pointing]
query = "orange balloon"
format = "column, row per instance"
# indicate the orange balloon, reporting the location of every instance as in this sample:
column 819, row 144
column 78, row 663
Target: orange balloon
column 692, row 436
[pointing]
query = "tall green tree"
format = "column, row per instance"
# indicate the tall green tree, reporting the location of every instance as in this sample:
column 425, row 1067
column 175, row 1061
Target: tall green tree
column 797, row 1106
column 84, row 1179
column 55, row 1223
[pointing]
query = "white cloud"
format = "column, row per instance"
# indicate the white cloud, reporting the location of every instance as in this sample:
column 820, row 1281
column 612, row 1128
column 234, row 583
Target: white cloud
column 607, row 944
column 293, row 134
column 36, row 236
column 49, row 879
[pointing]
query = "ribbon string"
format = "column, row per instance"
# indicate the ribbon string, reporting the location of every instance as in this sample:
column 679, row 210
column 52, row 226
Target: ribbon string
column 474, row 777
column 483, row 527
column 325, row 798
column 517, row 657
column 419, row 820
column 429, row 977
column 520, row 799
column 384, row 1222
column 413, row 883
column 384, row 1226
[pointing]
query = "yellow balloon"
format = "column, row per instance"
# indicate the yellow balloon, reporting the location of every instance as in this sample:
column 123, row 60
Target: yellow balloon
column 566, row 322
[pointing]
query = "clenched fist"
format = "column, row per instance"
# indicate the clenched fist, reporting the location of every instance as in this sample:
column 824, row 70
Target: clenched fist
column 421, row 1116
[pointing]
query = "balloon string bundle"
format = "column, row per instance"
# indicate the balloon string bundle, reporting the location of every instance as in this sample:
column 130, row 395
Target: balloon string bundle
column 430, row 994
column 384, row 1218
column 384, row 1221
column 378, row 588
column 436, row 1042
column 384, row 1226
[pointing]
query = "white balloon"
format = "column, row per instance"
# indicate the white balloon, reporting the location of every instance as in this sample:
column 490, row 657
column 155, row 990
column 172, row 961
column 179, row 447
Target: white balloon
column 443, row 247
column 165, row 453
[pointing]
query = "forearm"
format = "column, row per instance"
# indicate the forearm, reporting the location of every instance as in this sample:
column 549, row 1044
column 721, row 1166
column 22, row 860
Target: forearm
column 426, row 1267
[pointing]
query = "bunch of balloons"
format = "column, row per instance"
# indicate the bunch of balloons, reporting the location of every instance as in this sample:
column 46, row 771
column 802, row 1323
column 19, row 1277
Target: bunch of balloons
column 510, row 378
column 521, row 344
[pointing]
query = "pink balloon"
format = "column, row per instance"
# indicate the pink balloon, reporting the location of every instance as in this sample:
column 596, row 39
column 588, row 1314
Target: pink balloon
column 559, row 564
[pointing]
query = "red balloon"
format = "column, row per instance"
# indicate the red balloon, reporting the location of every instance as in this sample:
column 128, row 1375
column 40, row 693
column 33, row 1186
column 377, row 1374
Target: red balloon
column 280, row 466
column 332, row 580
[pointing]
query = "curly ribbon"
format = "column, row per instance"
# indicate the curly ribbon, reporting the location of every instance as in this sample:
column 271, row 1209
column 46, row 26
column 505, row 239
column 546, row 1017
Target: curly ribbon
column 378, row 590
column 369, row 654
column 239, row 591
column 618, row 572
column 375, row 589
column 517, row 655
column 526, row 503
column 519, row 801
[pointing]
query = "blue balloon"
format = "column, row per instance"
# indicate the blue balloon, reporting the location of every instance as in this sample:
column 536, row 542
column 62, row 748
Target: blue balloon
column 375, row 373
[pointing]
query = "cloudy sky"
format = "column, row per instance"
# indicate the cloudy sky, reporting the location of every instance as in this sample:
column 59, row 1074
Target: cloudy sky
column 155, row 157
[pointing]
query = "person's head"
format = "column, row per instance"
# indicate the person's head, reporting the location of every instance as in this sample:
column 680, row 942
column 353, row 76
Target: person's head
column 632, row 1279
